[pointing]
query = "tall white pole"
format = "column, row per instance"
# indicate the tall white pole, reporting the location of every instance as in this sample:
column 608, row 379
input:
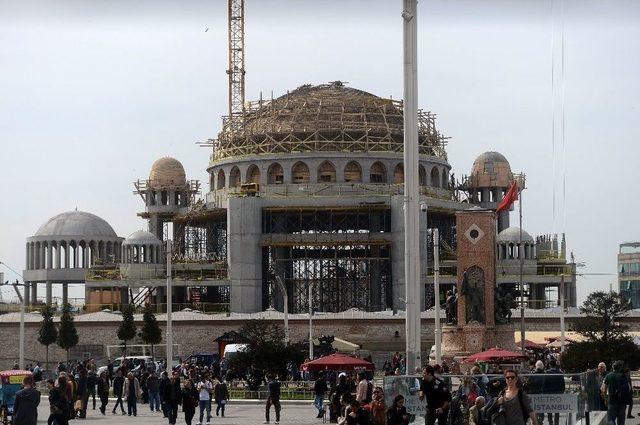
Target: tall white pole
column 169, row 310
column 22, row 299
column 436, row 286
column 521, row 255
column 411, row 195
column 285, row 298
column 310, row 320
column 562, row 340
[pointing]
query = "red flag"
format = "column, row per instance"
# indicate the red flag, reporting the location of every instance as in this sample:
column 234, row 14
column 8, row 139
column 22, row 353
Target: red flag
column 509, row 198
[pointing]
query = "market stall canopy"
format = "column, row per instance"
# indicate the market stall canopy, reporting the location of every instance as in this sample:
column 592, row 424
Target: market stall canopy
column 530, row 345
column 496, row 355
column 338, row 362
column 341, row 345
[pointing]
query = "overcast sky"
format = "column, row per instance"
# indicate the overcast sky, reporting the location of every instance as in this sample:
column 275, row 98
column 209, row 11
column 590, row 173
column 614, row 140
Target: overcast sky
column 92, row 92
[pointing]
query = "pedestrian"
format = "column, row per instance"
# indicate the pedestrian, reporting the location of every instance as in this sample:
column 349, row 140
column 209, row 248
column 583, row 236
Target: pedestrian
column 189, row 401
column 37, row 373
column 118, row 385
column 92, row 382
column 629, row 384
column 553, row 384
column 72, row 386
column 153, row 389
column 512, row 404
column 273, row 398
column 204, row 396
column 103, row 391
column 615, row 390
column 172, row 397
column 221, row 393
column 397, row 413
column 82, row 396
column 357, row 414
column 164, row 381
column 25, row 407
column 378, row 407
column 536, row 385
column 57, row 404
column 437, row 395
column 319, row 389
column 475, row 412
column 132, row 392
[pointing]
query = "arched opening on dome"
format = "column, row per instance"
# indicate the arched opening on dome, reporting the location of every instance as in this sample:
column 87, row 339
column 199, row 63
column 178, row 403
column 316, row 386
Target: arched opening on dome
column 445, row 179
column 234, row 177
column 352, row 172
column 422, row 176
column 435, row 177
column 275, row 174
column 164, row 197
column 300, row 173
column 253, row 174
column 378, row 173
column 398, row 174
column 221, row 180
column 326, row 172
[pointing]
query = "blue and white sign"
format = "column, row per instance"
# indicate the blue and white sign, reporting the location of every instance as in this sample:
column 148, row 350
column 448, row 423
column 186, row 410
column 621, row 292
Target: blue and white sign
column 554, row 403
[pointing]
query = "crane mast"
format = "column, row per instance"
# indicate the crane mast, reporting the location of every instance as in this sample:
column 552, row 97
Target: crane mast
column 236, row 63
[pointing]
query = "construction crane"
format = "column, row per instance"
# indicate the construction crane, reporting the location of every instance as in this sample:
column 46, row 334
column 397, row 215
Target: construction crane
column 236, row 63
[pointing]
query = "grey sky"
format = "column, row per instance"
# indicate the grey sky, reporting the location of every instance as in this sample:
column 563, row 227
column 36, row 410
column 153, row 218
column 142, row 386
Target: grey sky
column 92, row 92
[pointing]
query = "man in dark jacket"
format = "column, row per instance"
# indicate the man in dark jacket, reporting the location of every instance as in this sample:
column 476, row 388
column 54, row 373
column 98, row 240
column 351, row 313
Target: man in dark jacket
column 172, row 397
column 554, row 385
column 92, row 382
column 118, row 384
column 164, row 381
column 273, row 399
column 153, row 387
column 25, row 409
column 103, row 391
column 319, row 389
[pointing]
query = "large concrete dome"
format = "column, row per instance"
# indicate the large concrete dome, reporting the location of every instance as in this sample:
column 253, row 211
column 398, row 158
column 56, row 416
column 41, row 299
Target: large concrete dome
column 167, row 172
column 491, row 169
column 327, row 117
column 512, row 235
column 76, row 223
column 142, row 237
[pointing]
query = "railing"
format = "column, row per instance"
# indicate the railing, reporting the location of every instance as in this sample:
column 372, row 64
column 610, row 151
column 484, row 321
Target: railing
column 289, row 390
column 183, row 270
column 203, row 307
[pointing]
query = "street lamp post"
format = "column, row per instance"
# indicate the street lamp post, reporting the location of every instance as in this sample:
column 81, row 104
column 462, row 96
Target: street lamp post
column 310, row 320
column 285, row 298
column 169, row 349
column 436, row 287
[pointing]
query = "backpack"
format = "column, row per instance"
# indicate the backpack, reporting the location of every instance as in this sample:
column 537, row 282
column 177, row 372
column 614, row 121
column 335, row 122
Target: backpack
column 620, row 392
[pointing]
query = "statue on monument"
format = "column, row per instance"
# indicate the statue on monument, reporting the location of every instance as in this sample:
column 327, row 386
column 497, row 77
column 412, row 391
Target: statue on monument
column 451, row 308
column 503, row 301
column 473, row 290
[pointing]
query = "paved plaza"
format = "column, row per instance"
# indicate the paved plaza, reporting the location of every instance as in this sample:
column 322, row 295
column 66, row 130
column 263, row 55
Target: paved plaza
column 236, row 414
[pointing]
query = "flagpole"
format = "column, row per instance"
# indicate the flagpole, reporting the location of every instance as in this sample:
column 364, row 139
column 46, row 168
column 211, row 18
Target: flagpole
column 520, row 254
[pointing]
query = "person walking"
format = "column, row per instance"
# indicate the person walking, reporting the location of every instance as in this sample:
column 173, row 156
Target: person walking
column 162, row 385
column 378, row 407
column 204, row 395
column 437, row 395
column 153, row 388
column 57, row 404
column 615, row 390
column 25, row 407
column 92, row 382
column 103, row 391
column 172, row 397
column 273, row 398
column 221, row 394
column 554, row 384
column 82, row 396
column 319, row 389
column 189, row 401
column 512, row 403
column 118, row 386
column 132, row 392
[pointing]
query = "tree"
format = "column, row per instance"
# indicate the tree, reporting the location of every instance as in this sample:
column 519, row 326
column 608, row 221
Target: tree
column 48, row 334
column 606, row 338
column 150, row 332
column 68, row 334
column 127, row 329
column 266, row 351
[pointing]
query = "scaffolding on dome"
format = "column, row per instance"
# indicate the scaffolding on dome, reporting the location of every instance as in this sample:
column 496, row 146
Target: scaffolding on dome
column 329, row 118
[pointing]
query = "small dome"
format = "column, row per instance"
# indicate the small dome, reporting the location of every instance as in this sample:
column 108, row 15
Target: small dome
column 76, row 223
column 491, row 169
column 512, row 235
column 142, row 237
column 167, row 172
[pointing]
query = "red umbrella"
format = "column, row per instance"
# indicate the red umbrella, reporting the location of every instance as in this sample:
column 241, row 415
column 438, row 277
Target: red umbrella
column 337, row 362
column 496, row 355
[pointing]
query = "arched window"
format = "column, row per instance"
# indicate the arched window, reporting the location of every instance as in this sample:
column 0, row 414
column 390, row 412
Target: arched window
column 435, row 177
column 234, row 177
column 353, row 172
column 326, row 172
column 300, row 173
column 445, row 179
column 422, row 176
column 253, row 174
column 398, row 174
column 221, row 180
column 378, row 173
column 275, row 174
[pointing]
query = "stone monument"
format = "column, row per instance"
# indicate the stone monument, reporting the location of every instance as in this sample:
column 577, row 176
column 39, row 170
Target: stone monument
column 483, row 310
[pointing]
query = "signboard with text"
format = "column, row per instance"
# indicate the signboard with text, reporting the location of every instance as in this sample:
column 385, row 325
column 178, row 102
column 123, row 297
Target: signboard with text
column 409, row 388
column 554, row 403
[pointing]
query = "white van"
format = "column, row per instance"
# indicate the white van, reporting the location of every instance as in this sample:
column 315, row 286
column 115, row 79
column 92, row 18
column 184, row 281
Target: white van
column 118, row 362
column 231, row 349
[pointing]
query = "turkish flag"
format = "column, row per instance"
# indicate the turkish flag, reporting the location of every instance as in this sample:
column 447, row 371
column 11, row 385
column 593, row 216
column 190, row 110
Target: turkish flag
column 509, row 198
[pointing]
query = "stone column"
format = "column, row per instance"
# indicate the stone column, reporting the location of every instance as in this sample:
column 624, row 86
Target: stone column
column 49, row 256
column 67, row 250
column 85, row 256
column 27, row 293
column 76, row 264
column 58, row 255
column 65, row 294
column 49, row 297
column 34, row 293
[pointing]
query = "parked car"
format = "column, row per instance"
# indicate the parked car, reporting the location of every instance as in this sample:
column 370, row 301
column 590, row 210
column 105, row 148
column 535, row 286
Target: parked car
column 146, row 360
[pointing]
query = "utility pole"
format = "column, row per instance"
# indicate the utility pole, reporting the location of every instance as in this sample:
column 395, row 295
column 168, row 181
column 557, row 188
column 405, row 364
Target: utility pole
column 310, row 318
column 562, row 325
column 411, row 194
column 436, row 286
column 285, row 298
column 21, row 343
column 521, row 257
column 169, row 310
